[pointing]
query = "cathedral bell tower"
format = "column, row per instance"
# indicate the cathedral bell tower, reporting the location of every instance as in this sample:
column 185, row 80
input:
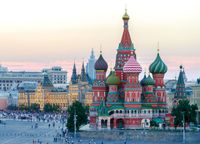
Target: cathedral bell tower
column 125, row 49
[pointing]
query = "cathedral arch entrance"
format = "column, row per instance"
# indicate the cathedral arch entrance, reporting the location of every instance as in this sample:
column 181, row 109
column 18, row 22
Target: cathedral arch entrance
column 145, row 123
column 112, row 123
column 103, row 123
column 120, row 123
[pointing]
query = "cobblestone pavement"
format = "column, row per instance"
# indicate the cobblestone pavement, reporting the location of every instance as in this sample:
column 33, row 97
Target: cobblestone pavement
column 23, row 132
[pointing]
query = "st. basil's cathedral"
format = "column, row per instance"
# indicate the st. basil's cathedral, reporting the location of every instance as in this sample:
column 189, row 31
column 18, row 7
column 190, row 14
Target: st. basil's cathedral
column 121, row 100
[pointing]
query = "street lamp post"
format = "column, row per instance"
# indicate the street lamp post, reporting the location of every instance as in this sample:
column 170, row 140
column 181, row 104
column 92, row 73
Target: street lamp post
column 75, row 119
column 183, row 127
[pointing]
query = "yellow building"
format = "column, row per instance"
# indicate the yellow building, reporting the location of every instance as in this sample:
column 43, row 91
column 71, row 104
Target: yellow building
column 32, row 93
column 195, row 99
column 88, row 98
column 73, row 94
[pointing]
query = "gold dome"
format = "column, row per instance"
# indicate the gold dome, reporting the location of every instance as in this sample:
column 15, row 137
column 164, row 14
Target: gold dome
column 125, row 16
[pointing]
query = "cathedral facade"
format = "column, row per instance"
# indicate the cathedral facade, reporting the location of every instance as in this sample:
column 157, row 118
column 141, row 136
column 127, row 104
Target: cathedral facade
column 120, row 100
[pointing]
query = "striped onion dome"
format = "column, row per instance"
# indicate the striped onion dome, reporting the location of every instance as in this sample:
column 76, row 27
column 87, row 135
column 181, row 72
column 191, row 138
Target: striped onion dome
column 132, row 66
column 112, row 79
column 158, row 66
column 149, row 81
column 101, row 64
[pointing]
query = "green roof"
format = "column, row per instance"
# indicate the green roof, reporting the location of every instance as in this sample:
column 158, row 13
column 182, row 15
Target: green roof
column 113, row 79
column 148, row 81
column 158, row 66
column 158, row 120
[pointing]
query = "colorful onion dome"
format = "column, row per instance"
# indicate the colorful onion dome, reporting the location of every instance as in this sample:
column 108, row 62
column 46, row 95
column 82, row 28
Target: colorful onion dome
column 142, row 81
column 101, row 64
column 158, row 66
column 125, row 16
column 132, row 66
column 149, row 81
column 113, row 79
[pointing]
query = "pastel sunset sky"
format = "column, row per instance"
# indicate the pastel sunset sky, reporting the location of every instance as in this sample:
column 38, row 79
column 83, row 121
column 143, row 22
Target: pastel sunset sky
column 42, row 33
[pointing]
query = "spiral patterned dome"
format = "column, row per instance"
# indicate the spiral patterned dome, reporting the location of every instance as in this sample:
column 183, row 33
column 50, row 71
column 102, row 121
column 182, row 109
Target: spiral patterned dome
column 158, row 66
column 149, row 81
column 101, row 64
column 132, row 66
column 113, row 79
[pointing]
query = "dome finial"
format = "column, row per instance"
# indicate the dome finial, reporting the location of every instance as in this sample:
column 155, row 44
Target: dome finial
column 158, row 47
column 145, row 71
column 125, row 16
column 181, row 67
column 100, row 49
column 149, row 73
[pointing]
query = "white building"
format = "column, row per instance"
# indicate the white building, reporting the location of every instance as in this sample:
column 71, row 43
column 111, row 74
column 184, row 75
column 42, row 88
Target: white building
column 57, row 75
column 195, row 99
column 9, row 79
column 90, row 66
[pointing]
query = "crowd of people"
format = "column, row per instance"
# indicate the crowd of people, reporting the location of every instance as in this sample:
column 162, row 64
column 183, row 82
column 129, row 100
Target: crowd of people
column 30, row 116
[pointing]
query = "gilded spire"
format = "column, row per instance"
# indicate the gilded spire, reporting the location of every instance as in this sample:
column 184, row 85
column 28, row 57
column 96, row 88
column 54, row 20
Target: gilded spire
column 125, row 16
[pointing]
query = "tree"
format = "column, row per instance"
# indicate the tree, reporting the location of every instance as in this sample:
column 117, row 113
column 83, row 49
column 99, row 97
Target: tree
column 188, row 110
column 34, row 107
column 47, row 107
column 51, row 108
column 12, row 107
column 81, row 116
column 23, row 107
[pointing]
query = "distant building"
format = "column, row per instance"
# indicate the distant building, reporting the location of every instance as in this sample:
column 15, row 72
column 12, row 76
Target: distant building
column 195, row 99
column 3, row 100
column 11, row 79
column 13, row 98
column 42, row 93
column 79, row 86
column 90, row 66
column 57, row 75
column 180, row 92
column 74, row 77
column 88, row 98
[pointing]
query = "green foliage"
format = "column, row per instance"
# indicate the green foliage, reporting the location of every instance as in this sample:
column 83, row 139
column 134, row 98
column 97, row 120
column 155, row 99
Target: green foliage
column 23, row 107
column 87, row 109
column 188, row 110
column 12, row 107
column 153, row 123
column 51, row 108
column 34, row 107
column 81, row 116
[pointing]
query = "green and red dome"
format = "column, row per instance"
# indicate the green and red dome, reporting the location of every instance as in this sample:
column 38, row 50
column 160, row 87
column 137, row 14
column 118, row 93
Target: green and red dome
column 158, row 66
